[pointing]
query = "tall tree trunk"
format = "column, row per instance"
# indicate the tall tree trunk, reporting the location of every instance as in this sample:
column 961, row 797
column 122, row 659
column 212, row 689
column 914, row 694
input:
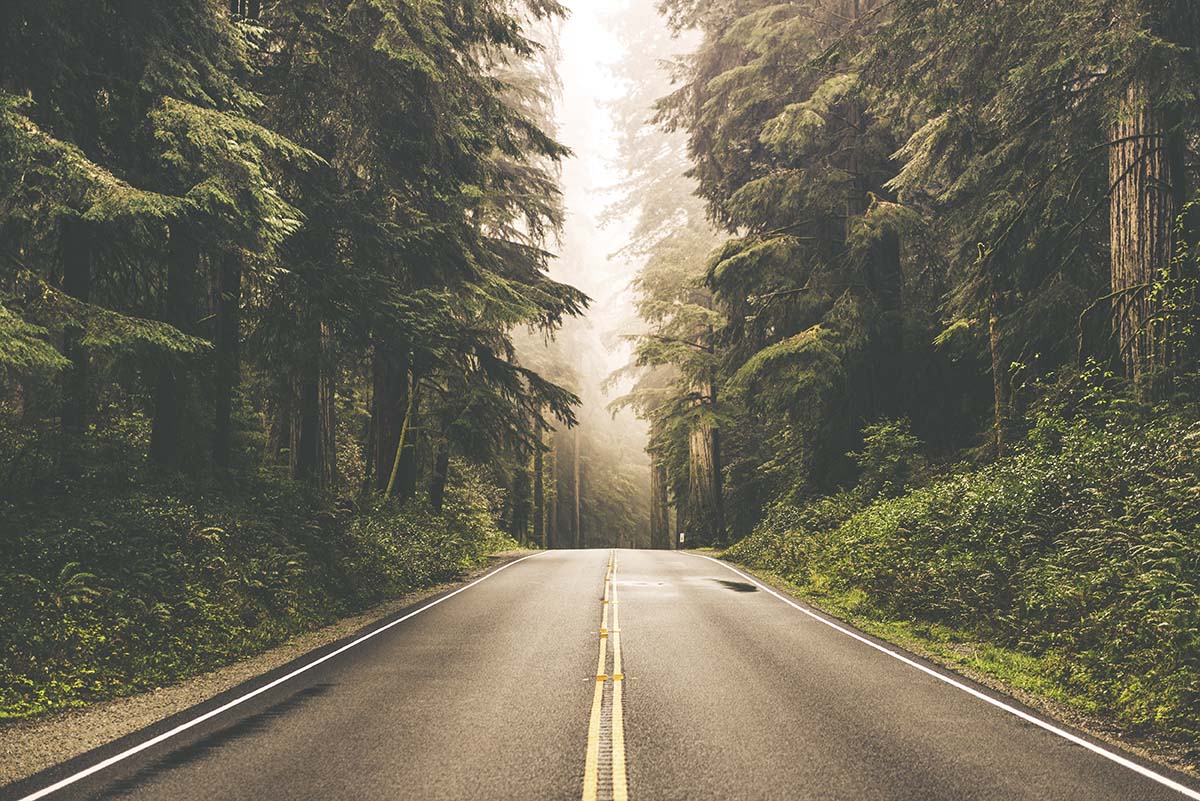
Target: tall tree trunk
column 227, row 344
column 539, row 495
column 76, row 251
column 410, row 467
column 660, row 515
column 705, row 524
column 1146, row 174
column 521, row 497
column 401, row 442
column 327, row 391
column 389, row 368
column 552, row 495
column 170, row 386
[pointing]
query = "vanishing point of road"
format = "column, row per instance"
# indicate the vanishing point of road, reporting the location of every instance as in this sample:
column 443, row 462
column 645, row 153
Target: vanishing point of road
column 647, row 675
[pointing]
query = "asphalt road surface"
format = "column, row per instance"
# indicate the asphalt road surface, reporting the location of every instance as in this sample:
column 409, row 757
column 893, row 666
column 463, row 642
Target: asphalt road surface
column 608, row 675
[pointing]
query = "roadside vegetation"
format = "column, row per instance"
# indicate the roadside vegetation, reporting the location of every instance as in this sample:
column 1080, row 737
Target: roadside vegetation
column 1067, row 567
column 135, row 580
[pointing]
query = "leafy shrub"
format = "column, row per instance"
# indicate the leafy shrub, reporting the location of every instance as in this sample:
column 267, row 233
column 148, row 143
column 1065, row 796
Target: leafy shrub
column 890, row 461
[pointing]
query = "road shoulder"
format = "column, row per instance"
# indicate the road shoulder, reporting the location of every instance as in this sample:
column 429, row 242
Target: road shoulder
column 30, row 746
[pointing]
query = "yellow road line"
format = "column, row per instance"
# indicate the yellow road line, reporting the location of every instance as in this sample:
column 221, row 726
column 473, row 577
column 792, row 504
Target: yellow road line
column 591, row 778
column 619, row 781
column 620, row 784
column 591, row 766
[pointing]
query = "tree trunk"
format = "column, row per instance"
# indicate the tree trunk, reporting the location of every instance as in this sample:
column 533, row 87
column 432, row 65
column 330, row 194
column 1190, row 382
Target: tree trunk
column 406, row 480
column 76, row 250
column 170, row 386
column 1145, row 171
column 660, row 515
column 401, row 442
column 327, row 391
column 539, row 495
column 389, row 368
column 520, row 496
column 552, row 535
column 227, row 343
column 705, row 524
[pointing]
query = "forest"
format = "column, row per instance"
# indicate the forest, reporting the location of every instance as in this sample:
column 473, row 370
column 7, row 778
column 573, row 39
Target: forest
column 286, row 327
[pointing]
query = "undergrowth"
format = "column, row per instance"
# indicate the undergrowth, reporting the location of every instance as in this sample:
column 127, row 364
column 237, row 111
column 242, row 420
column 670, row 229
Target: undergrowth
column 125, row 580
column 1079, row 550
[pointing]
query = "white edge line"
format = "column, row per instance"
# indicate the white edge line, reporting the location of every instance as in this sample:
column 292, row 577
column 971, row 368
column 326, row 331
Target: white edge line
column 1012, row 710
column 153, row 741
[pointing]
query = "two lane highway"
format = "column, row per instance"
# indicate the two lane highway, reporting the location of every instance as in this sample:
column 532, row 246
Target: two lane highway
column 707, row 686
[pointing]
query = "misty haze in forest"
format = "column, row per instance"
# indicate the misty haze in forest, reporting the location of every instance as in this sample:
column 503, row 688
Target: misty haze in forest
column 612, row 64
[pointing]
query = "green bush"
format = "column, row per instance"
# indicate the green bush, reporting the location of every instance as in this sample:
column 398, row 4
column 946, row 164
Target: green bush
column 1082, row 547
column 890, row 462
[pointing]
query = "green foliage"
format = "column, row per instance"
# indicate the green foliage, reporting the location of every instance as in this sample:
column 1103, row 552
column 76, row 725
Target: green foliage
column 890, row 461
column 137, row 580
column 1081, row 548
column 23, row 346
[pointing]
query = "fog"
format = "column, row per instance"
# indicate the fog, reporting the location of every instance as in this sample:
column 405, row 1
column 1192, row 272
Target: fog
column 587, row 351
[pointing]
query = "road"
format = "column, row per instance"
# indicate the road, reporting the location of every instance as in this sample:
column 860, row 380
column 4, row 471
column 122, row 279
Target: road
column 607, row 675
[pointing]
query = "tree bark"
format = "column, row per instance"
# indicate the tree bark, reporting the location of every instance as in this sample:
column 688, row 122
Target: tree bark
column 552, row 536
column 539, row 495
column 389, row 367
column 170, row 390
column 401, row 441
column 1146, row 175
column 327, row 391
column 705, row 524
column 660, row 514
column 406, row 480
column 520, row 495
column 227, row 343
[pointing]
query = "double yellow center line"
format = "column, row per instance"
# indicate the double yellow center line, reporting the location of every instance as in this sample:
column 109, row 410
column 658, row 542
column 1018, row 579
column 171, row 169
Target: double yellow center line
column 615, row 736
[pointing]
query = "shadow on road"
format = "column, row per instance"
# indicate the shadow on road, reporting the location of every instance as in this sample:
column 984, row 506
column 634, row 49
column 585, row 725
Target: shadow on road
column 206, row 745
